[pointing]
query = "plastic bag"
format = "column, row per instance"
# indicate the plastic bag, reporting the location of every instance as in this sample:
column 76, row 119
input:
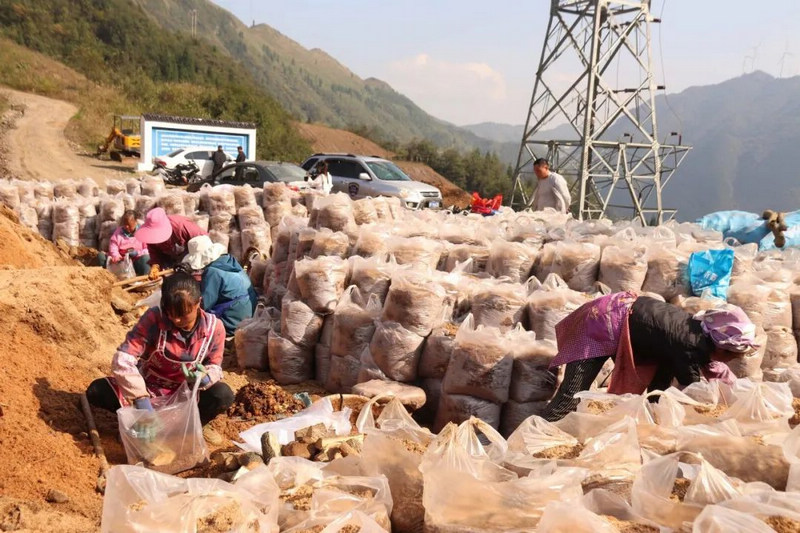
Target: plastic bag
column 458, row 471
column 396, row 350
column 462, row 252
column 350, row 521
column 780, row 349
column 414, row 301
column 327, row 242
column 532, row 380
column 760, row 407
column 550, row 304
column 458, row 408
column 481, row 364
column 420, row 252
column 335, row 212
column 122, row 269
column 393, row 447
column 171, row 203
column 137, row 499
column 666, row 272
column 513, row 260
column 711, row 270
column 299, row 324
column 372, row 240
column 88, row 188
column 288, row 362
column 321, row 281
column 515, row 413
column 152, row 186
column 250, row 338
column 578, row 264
column 343, row 373
column 372, row 276
column 498, row 305
column 719, row 519
column 623, row 267
column 535, row 435
column 437, row 353
column 354, row 322
column 178, row 444
column 559, row 517
column 364, row 211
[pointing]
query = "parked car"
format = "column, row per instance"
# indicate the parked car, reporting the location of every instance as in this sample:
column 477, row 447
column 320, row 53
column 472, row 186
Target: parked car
column 256, row 174
column 200, row 155
column 362, row 176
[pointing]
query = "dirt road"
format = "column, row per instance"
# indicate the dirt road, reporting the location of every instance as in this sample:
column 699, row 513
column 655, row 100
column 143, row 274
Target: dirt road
column 38, row 150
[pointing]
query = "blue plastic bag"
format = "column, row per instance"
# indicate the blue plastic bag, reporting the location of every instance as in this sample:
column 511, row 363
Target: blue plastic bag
column 743, row 226
column 711, row 271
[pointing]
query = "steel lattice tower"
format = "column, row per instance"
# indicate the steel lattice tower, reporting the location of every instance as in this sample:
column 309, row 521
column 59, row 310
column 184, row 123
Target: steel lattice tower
column 595, row 82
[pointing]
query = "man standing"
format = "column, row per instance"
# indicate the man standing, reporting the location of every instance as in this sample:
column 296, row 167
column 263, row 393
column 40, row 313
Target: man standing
column 240, row 158
column 551, row 190
column 218, row 159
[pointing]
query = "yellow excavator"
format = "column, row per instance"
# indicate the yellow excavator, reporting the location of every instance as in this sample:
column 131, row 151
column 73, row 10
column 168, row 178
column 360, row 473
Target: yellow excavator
column 124, row 139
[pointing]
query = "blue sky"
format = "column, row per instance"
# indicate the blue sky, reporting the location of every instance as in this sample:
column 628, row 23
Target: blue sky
column 469, row 61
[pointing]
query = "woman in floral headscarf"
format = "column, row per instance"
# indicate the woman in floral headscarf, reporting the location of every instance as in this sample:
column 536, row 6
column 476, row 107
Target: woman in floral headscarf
column 651, row 342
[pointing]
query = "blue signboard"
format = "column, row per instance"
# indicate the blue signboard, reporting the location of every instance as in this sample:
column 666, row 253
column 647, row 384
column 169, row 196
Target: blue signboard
column 167, row 140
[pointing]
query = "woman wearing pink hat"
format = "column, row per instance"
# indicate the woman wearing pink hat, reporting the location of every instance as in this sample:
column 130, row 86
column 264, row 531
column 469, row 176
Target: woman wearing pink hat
column 651, row 342
column 167, row 238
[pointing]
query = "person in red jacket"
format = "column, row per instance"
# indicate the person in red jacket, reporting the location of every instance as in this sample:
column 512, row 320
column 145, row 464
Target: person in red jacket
column 167, row 238
column 171, row 344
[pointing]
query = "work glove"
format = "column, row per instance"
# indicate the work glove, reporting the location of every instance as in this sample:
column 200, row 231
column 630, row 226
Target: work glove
column 193, row 374
column 147, row 426
column 154, row 272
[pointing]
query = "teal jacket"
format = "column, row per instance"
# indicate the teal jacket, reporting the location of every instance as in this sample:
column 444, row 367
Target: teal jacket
column 227, row 292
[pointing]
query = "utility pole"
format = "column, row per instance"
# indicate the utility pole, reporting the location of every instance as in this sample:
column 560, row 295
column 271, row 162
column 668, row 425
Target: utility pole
column 595, row 83
column 193, row 20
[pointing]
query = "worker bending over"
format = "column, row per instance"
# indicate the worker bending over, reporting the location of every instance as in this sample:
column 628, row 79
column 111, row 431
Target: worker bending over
column 226, row 288
column 166, row 237
column 651, row 343
column 175, row 343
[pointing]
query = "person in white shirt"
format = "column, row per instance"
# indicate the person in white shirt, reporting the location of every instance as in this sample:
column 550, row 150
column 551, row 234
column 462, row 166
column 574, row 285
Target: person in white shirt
column 551, row 189
column 322, row 181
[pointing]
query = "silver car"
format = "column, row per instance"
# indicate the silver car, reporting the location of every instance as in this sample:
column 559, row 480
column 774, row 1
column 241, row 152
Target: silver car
column 363, row 176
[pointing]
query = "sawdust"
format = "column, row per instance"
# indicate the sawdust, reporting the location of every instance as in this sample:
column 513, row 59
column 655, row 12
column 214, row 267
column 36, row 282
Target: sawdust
column 597, row 407
column 225, row 519
column 449, row 329
column 679, row 489
column 626, row 526
column 564, row 451
column 414, row 447
column 713, row 411
column 299, row 498
column 19, row 515
column 265, row 401
column 138, row 506
column 620, row 486
column 795, row 420
column 22, row 248
column 782, row 524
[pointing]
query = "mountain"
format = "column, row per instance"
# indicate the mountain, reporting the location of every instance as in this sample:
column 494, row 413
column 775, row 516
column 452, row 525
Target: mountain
column 310, row 84
column 494, row 131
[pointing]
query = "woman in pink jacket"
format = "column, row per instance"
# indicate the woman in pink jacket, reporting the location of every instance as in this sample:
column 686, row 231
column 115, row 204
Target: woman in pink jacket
column 123, row 242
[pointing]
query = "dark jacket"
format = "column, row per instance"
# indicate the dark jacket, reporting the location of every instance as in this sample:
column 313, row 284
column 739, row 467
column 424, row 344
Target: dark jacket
column 219, row 158
column 241, row 158
column 227, row 292
column 668, row 335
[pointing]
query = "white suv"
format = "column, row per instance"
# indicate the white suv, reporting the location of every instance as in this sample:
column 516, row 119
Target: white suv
column 362, row 176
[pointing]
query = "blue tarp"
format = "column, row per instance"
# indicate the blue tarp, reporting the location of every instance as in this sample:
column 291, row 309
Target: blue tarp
column 751, row 228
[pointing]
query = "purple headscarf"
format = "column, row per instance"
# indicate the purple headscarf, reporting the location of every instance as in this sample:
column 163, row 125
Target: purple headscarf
column 729, row 328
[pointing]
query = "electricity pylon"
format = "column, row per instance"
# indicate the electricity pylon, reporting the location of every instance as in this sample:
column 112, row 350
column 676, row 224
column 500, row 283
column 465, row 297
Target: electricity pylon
column 595, row 83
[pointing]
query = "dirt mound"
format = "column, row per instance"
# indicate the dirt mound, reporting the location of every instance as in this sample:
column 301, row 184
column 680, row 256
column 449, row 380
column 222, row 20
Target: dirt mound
column 325, row 139
column 23, row 248
column 264, row 400
column 59, row 332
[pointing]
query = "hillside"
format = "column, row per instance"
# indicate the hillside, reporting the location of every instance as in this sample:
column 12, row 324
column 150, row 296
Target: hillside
column 310, row 84
column 325, row 139
column 494, row 131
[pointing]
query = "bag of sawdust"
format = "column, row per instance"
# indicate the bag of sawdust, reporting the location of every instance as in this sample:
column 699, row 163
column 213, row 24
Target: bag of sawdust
column 515, row 414
column 322, row 363
column 415, row 301
column 299, row 210
column 532, row 380
column 396, row 350
column 721, row 519
column 275, row 193
column 88, row 188
column 145, row 204
column 289, row 363
column 222, row 222
column 65, row 189
column 780, row 348
column 382, row 210
column 513, row 260
column 321, row 281
column 305, row 241
column 417, row 251
column 481, row 363
column 577, row 263
column 458, row 408
column 749, row 365
column 743, row 258
column 28, row 217
column 191, row 203
column 257, row 271
column 152, row 186
column 201, row 219
column 220, row 238
column 335, row 212
column 372, row 276
column 283, row 237
column 111, row 209
column 9, row 195
column 221, row 200
column 251, row 217
column 463, row 252
column 258, row 238
column 372, row 241
column 171, row 202
column 343, row 374
column 44, row 214
column 669, row 491
column 250, row 338
column 695, row 304
column 299, row 324
column 133, row 186
column 567, row 516
column 244, row 196
column 327, row 242
column 498, row 305
column 138, row 499
column 107, row 229
column 550, row 304
column 235, row 246
column 275, row 212
column 369, row 371
column 437, row 352
column 87, row 226
column 364, row 211
column 765, row 304
column 623, row 267
column 666, row 272
column 43, row 190
column 535, row 435
column 394, row 447
column 354, row 322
